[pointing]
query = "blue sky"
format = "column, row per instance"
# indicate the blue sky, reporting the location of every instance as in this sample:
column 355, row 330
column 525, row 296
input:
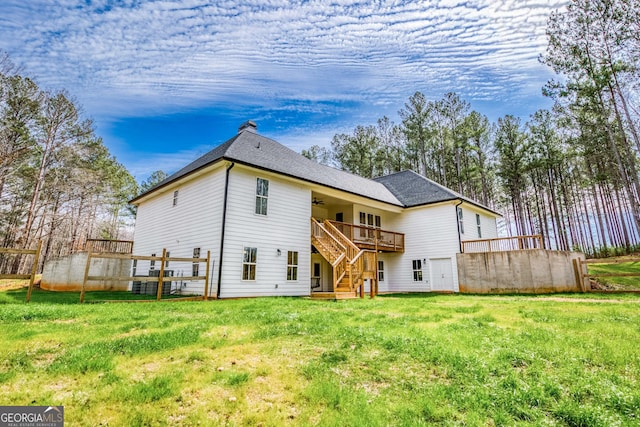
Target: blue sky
column 165, row 81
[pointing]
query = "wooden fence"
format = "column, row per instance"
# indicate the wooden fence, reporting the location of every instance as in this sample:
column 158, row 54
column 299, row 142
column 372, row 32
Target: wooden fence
column 502, row 244
column 34, row 267
column 91, row 254
column 582, row 269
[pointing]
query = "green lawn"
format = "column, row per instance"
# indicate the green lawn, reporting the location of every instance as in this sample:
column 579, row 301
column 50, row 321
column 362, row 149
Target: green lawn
column 617, row 283
column 395, row 360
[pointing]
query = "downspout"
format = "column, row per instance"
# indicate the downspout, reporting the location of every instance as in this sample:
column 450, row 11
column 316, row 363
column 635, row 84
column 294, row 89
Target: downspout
column 458, row 226
column 224, row 220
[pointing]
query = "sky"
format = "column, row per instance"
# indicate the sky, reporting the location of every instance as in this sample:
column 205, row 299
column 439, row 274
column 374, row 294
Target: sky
column 166, row 81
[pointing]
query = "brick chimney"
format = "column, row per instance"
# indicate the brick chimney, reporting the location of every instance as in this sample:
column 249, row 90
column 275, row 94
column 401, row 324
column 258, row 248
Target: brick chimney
column 249, row 125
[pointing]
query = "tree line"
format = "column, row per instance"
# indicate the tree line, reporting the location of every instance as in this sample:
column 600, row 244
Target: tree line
column 58, row 182
column 569, row 173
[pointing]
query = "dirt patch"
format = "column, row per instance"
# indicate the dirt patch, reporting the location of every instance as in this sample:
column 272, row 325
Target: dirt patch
column 612, row 301
column 10, row 285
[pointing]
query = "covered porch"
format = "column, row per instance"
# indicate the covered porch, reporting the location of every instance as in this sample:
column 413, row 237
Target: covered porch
column 346, row 238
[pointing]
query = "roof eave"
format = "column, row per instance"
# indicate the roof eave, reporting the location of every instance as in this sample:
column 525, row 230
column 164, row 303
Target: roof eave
column 137, row 199
column 245, row 163
column 461, row 199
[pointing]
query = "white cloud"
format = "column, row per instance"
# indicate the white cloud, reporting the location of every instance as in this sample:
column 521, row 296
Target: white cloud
column 139, row 57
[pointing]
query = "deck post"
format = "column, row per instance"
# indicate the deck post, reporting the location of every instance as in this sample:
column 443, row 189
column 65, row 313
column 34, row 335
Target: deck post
column 34, row 269
column 161, row 275
column 86, row 270
column 206, row 276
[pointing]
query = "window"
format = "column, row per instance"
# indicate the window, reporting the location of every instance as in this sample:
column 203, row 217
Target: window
column 249, row 263
column 479, row 226
column 363, row 223
column 370, row 220
column 262, row 194
column 135, row 267
column 380, row 271
column 378, row 221
column 152, row 264
column 195, row 268
column 363, row 218
column 340, row 217
column 292, row 265
column 166, row 263
column 460, row 221
column 417, row 270
column 316, row 269
column 175, row 198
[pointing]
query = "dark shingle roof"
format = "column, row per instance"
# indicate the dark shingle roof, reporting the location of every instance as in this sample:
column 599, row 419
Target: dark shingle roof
column 413, row 189
column 406, row 189
column 251, row 149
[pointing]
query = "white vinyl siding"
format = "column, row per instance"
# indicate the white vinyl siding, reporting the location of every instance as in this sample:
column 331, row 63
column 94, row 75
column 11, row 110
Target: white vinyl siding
column 194, row 222
column 286, row 227
column 479, row 224
column 430, row 232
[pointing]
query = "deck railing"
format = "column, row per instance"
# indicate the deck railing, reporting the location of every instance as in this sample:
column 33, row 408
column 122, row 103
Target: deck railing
column 110, row 246
column 371, row 238
column 503, row 244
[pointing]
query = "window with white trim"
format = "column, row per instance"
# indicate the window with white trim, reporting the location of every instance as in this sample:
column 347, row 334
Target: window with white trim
column 152, row 263
column 460, row 221
column 195, row 268
column 249, row 260
column 479, row 226
column 417, row 270
column 166, row 263
column 380, row 271
column 292, row 265
column 175, row 198
column 262, row 195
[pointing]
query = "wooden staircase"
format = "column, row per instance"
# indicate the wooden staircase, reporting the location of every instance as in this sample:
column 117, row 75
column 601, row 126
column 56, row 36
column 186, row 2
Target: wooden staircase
column 351, row 265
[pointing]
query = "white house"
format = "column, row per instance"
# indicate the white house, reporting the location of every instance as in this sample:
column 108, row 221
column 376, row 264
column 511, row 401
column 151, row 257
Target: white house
column 277, row 223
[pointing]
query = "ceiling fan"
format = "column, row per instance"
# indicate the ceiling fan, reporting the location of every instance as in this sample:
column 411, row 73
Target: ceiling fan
column 317, row 201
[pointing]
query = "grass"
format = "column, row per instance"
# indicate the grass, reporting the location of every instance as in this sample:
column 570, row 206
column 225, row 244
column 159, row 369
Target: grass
column 396, row 360
column 617, row 283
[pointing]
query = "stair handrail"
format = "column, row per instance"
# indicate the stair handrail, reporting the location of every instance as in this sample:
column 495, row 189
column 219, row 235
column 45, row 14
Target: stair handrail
column 319, row 232
column 350, row 247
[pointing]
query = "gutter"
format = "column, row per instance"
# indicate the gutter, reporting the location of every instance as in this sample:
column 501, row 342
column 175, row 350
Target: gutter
column 224, row 221
column 458, row 225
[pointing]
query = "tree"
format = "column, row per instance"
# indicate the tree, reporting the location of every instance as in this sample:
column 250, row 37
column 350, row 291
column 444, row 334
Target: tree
column 318, row 154
column 415, row 125
column 58, row 182
column 154, row 179
column 512, row 149
column 358, row 153
column 591, row 44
